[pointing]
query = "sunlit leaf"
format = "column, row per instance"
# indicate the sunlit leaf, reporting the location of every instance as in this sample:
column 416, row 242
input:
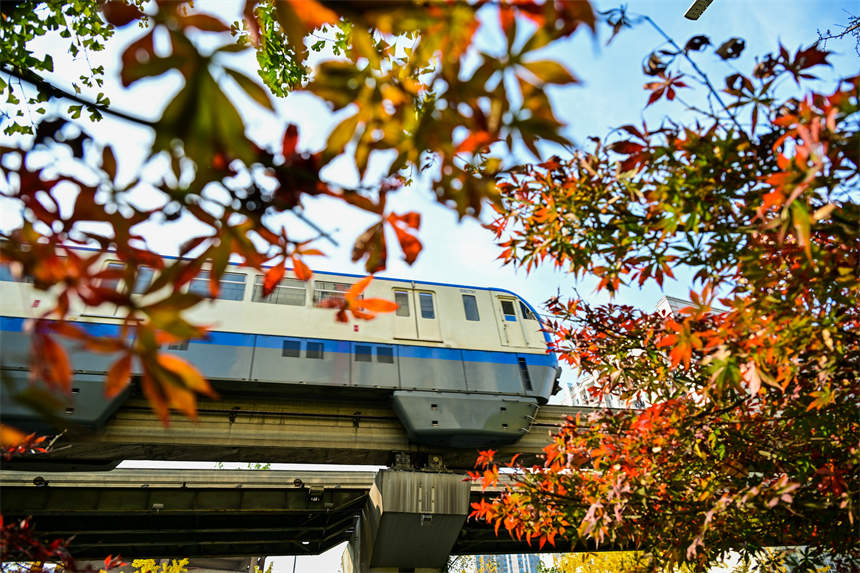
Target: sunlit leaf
column 254, row 90
column 118, row 376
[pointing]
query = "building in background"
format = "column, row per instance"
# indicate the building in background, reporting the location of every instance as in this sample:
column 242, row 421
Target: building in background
column 518, row 563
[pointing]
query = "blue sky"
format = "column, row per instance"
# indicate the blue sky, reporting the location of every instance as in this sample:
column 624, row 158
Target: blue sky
column 462, row 252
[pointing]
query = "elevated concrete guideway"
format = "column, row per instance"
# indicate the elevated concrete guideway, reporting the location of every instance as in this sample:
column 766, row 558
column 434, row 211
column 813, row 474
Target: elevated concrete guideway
column 278, row 430
column 196, row 513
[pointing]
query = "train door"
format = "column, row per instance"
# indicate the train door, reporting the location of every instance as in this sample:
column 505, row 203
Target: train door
column 417, row 315
column 512, row 328
column 405, row 325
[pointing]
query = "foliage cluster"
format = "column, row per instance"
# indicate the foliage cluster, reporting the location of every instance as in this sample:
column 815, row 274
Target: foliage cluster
column 752, row 438
column 80, row 22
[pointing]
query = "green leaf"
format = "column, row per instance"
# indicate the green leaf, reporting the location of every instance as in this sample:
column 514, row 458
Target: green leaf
column 232, row 48
column 254, row 90
column 550, row 72
column 340, row 136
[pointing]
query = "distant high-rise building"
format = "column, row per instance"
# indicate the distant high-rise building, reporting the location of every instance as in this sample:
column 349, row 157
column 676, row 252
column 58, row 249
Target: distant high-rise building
column 519, row 563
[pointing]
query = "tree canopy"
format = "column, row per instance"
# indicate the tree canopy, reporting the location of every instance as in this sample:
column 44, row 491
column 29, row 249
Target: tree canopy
column 752, row 433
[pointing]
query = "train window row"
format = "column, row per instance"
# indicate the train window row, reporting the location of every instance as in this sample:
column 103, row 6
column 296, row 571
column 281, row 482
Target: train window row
column 364, row 353
column 293, row 292
column 293, row 349
column 289, row 291
column 232, row 285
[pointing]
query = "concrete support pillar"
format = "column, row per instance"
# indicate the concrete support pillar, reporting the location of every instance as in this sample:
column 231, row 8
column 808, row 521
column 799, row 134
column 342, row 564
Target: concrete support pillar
column 410, row 522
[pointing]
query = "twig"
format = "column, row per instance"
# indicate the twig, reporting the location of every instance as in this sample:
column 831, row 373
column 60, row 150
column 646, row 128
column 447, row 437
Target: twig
column 58, row 92
column 702, row 75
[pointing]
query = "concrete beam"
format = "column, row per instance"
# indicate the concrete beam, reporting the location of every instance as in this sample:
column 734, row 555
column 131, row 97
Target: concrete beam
column 196, row 513
column 273, row 430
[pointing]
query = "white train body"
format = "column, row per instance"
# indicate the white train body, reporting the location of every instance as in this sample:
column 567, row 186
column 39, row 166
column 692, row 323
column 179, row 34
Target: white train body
column 462, row 366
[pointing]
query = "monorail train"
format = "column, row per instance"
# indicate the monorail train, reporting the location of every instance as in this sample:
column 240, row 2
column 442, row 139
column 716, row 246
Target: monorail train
column 462, row 366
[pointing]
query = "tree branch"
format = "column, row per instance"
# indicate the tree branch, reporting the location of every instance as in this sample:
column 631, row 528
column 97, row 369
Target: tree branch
column 43, row 85
column 702, row 75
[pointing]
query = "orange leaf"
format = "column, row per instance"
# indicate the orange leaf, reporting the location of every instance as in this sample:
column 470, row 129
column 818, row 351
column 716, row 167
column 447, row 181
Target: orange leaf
column 11, row 437
column 104, row 345
column 118, row 376
column 154, row 395
column 301, row 269
column 69, row 330
column 51, row 362
column 409, row 244
column 358, row 288
column 506, row 17
column 474, row 142
column 189, row 375
column 162, row 337
column 181, row 399
column 272, row 278
column 377, row 305
column 411, row 219
column 312, row 13
column 362, row 315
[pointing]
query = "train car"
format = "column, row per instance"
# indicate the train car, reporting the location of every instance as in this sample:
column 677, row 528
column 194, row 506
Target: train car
column 462, row 366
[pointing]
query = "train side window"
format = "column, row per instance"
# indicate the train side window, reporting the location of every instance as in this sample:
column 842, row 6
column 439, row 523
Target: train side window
column 7, row 276
column 385, row 354
column 143, row 280
column 291, row 349
column 508, row 311
column 363, row 353
column 470, row 305
column 315, row 350
column 401, row 297
column 111, row 284
column 288, row 291
column 426, row 301
column 325, row 290
column 526, row 312
column 232, row 286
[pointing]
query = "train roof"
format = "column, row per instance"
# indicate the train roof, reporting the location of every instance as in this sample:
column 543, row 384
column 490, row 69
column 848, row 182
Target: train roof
column 351, row 275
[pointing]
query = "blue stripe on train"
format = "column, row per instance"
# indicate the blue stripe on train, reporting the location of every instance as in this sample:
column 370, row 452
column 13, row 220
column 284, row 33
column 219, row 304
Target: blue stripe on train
column 9, row 324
